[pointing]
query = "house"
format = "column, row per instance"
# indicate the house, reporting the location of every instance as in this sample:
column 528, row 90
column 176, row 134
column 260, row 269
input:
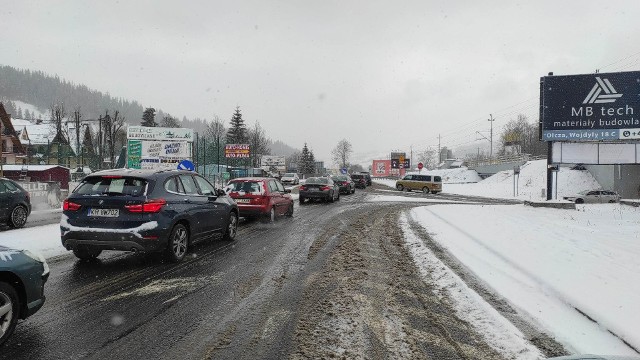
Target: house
column 39, row 173
column 13, row 152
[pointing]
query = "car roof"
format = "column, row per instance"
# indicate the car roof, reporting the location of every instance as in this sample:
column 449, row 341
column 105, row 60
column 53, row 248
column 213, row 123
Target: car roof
column 252, row 179
column 138, row 172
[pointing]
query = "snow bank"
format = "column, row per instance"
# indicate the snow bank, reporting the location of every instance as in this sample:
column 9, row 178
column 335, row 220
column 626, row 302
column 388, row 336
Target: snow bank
column 453, row 176
column 549, row 261
column 532, row 179
column 43, row 240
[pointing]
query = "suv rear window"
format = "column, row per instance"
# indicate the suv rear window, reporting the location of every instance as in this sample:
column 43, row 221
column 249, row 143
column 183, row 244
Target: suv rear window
column 250, row 187
column 111, row 186
column 357, row 176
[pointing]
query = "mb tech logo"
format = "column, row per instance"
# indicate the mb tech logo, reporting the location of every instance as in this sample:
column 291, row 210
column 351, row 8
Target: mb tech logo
column 602, row 92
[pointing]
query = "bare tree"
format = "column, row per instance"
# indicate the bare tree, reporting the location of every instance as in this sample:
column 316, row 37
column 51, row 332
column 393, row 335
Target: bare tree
column 216, row 133
column 57, row 115
column 428, row 158
column 341, row 153
column 112, row 126
column 520, row 136
column 259, row 143
column 77, row 117
column 170, row 122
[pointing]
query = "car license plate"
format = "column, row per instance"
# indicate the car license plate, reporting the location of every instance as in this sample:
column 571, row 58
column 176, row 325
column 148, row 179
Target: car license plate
column 104, row 212
column 314, row 189
column 246, row 201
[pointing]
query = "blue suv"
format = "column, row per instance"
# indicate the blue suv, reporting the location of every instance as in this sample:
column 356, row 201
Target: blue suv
column 146, row 211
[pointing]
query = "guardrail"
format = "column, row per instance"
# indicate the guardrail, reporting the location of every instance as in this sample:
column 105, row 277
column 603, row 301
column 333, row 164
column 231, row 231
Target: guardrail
column 503, row 159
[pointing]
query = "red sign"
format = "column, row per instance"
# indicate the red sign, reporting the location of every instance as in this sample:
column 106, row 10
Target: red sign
column 420, row 166
column 237, row 151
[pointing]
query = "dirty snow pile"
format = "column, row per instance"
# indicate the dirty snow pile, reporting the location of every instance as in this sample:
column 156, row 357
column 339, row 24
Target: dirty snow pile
column 549, row 262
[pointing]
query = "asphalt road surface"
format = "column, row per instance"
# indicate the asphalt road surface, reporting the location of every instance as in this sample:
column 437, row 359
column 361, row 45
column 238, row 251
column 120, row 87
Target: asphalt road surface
column 334, row 281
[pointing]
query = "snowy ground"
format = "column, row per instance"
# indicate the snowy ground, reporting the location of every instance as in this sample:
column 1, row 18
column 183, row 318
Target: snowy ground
column 44, row 240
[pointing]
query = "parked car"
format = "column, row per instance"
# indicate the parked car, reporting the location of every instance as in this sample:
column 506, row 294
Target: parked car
column 322, row 188
column 345, row 184
column 594, row 196
column 261, row 197
column 424, row 183
column 22, row 278
column 145, row 210
column 290, row 179
column 15, row 204
column 360, row 180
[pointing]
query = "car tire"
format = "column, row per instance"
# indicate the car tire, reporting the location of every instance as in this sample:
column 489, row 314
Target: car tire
column 232, row 227
column 612, row 201
column 18, row 217
column 9, row 301
column 301, row 200
column 289, row 212
column 338, row 198
column 178, row 243
column 271, row 217
column 331, row 199
column 84, row 252
column 425, row 190
column 399, row 187
column 579, row 201
column 353, row 190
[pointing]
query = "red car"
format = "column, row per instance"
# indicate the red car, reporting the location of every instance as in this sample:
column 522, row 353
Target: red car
column 261, row 197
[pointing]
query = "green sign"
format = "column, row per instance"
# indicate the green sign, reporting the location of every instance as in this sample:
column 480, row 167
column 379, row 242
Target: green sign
column 226, row 175
column 134, row 153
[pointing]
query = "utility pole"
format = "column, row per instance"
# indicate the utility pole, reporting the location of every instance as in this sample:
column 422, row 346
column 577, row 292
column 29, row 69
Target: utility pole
column 491, row 120
column 439, row 152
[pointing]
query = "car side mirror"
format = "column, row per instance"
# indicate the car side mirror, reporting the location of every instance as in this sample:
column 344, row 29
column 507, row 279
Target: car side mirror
column 220, row 192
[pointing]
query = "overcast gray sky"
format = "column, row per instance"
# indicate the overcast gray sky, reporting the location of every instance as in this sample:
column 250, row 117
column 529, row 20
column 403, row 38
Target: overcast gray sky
column 384, row 75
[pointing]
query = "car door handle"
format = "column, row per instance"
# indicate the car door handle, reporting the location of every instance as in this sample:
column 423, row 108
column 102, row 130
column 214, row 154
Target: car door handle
column 187, row 200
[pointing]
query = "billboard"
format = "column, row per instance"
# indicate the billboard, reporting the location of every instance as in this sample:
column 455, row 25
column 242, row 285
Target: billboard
column 381, row 168
column 267, row 162
column 237, row 151
column 157, row 148
column 594, row 107
column 399, row 160
column 159, row 133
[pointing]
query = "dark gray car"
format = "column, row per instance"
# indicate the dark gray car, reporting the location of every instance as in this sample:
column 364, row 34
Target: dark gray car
column 22, row 278
column 319, row 188
column 15, row 204
column 144, row 210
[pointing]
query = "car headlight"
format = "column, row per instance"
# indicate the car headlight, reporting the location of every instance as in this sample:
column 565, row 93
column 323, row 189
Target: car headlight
column 39, row 258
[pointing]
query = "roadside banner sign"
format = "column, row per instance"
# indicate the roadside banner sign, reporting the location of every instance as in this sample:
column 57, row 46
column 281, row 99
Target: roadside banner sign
column 186, row 165
column 237, row 151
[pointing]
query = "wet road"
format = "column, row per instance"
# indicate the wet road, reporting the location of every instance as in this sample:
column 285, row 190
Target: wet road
column 241, row 299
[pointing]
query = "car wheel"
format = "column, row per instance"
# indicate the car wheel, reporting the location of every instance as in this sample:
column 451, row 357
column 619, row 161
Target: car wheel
column 84, row 252
column 338, row 198
column 289, row 212
column 399, row 187
column 579, row 201
column 9, row 311
column 272, row 215
column 18, row 217
column 353, row 190
column 612, row 201
column 331, row 198
column 232, row 227
column 425, row 190
column 178, row 243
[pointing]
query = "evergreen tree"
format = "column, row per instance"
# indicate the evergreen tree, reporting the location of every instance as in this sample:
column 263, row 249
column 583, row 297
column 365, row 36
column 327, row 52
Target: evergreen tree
column 27, row 114
column 149, row 117
column 170, row 122
column 237, row 132
column 312, row 162
column 19, row 113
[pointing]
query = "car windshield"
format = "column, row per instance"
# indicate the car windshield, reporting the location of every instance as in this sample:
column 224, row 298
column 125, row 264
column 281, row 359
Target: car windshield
column 289, row 175
column 111, row 186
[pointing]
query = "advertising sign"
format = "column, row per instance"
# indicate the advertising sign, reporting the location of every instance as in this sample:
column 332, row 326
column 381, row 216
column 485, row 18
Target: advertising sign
column 237, row 151
column 159, row 133
column 398, row 164
column 381, row 168
column 398, row 159
column 603, row 106
column 272, row 160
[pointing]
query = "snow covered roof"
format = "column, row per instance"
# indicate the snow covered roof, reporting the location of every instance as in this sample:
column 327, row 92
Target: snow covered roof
column 30, row 167
column 38, row 134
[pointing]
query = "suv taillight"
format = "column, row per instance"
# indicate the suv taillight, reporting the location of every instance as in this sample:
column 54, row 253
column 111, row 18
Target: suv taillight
column 325, row 188
column 149, row 206
column 302, row 187
column 70, row 206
